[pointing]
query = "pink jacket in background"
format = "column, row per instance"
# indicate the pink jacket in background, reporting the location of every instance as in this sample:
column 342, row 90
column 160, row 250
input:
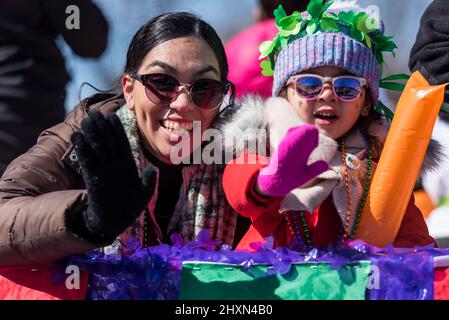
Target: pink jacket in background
column 243, row 59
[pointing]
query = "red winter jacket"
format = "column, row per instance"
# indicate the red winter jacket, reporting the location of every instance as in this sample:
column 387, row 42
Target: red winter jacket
column 324, row 223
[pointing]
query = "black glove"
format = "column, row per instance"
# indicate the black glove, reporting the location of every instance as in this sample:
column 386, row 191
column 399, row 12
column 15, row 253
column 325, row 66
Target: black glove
column 116, row 193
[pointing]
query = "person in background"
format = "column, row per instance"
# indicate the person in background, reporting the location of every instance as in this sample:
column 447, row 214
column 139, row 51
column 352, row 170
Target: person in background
column 243, row 49
column 33, row 75
column 430, row 56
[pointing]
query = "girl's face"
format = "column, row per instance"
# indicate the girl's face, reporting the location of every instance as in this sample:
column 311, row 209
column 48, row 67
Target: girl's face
column 332, row 116
column 187, row 59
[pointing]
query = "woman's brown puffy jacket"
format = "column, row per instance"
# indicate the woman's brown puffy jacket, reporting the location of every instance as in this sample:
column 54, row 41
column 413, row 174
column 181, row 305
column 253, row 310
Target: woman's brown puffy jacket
column 43, row 186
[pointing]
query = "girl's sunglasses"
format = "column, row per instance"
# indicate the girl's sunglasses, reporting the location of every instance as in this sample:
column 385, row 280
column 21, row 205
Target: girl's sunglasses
column 163, row 88
column 310, row 86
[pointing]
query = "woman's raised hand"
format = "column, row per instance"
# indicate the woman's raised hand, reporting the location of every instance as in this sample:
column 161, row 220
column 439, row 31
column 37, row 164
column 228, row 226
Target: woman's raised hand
column 116, row 193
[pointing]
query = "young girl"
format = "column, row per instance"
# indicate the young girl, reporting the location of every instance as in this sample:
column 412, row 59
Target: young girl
column 325, row 134
column 92, row 182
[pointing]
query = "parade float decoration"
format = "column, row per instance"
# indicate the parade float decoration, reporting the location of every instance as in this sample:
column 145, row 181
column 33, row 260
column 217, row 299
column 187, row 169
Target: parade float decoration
column 354, row 271
column 371, row 269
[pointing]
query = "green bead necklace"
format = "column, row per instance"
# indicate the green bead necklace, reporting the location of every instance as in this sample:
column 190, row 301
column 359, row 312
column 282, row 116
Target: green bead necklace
column 300, row 230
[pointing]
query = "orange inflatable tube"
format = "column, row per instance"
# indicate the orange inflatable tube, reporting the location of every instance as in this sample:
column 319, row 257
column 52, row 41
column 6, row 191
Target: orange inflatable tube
column 401, row 160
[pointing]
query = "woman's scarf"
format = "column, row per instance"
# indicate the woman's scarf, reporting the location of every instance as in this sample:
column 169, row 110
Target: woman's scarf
column 201, row 204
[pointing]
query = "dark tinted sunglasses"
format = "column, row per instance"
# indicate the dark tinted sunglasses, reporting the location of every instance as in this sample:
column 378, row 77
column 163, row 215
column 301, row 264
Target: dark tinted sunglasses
column 310, row 86
column 163, row 88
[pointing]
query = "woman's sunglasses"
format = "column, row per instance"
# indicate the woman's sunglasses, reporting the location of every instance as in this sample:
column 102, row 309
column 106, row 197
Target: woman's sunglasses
column 163, row 88
column 310, row 86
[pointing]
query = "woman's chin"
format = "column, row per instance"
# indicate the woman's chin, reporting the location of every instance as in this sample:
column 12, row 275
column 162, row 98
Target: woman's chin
column 175, row 154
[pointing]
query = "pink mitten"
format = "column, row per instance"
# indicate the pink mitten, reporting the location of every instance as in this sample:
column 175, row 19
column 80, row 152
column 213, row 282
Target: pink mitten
column 288, row 167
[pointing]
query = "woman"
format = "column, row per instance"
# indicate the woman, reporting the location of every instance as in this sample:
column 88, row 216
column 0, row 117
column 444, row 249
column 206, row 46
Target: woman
column 77, row 190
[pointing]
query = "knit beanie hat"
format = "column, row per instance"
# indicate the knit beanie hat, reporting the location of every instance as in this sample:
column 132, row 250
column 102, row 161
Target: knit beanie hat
column 327, row 49
column 343, row 36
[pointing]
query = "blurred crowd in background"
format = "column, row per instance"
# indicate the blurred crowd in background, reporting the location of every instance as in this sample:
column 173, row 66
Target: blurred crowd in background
column 102, row 67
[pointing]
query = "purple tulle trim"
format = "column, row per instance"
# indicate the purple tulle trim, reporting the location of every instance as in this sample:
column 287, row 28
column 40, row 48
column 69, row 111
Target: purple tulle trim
column 155, row 272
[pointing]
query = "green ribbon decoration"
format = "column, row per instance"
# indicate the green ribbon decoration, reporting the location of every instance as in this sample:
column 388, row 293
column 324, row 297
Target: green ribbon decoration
column 291, row 27
column 444, row 201
column 390, row 83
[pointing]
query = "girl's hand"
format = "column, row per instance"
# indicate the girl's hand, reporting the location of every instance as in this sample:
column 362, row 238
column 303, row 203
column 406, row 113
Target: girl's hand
column 288, row 168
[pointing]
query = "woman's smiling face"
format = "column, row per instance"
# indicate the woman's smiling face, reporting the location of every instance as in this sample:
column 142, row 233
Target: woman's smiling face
column 187, row 59
column 332, row 116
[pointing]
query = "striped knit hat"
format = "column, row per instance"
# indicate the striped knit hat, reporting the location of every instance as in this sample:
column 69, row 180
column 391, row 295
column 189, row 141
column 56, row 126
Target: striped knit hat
column 329, row 48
